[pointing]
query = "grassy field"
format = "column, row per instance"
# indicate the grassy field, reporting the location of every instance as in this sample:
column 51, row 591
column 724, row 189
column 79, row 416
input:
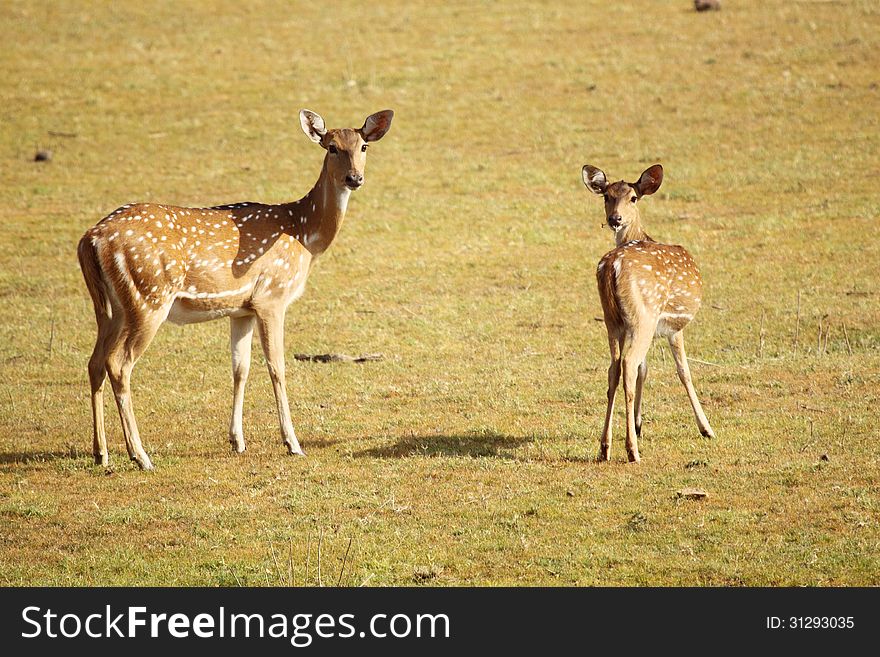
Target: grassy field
column 466, row 456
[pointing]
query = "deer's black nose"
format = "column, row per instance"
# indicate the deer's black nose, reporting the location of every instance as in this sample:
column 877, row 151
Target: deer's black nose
column 614, row 220
column 354, row 180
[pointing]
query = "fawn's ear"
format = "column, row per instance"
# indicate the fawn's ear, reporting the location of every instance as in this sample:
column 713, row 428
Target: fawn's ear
column 312, row 125
column 594, row 179
column 649, row 181
column 377, row 125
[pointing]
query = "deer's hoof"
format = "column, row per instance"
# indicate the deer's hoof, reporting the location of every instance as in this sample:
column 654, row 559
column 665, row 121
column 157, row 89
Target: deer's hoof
column 144, row 463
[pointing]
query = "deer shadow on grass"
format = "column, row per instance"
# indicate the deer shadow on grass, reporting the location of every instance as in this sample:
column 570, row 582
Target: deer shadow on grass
column 29, row 460
column 475, row 445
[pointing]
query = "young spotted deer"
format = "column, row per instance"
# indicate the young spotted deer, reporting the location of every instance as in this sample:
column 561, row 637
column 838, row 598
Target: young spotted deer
column 646, row 289
column 146, row 263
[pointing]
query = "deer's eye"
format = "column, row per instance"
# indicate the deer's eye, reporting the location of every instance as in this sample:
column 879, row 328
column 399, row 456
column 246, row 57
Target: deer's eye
column 332, row 148
column 364, row 148
column 633, row 199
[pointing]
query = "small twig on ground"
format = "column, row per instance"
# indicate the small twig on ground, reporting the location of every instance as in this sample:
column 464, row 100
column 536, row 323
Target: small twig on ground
column 822, row 335
column 57, row 133
column 237, row 581
column 761, row 336
column 344, row 559
column 275, row 559
column 367, row 579
column 320, row 543
column 703, row 362
column 290, row 580
column 797, row 326
column 51, row 335
column 846, row 338
column 308, row 556
column 809, row 444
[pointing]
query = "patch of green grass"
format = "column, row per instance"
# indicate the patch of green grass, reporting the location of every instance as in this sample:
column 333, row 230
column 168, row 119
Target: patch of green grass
column 466, row 456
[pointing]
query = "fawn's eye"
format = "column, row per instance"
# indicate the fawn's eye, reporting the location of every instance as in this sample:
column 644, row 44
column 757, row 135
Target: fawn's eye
column 633, row 199
column 332, row 149
column 364, row 148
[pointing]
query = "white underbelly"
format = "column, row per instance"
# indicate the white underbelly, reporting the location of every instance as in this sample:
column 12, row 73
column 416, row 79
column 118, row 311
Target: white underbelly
column 181, row 314
column 671, row 323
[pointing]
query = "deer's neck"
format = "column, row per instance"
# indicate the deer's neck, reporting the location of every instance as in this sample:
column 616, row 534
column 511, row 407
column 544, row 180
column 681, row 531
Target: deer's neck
column 318, row 216
column 632, row 232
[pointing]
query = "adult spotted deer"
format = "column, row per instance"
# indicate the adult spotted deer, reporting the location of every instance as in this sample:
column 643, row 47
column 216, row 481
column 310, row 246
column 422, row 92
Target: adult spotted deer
column 147, row 263
column 646, row 289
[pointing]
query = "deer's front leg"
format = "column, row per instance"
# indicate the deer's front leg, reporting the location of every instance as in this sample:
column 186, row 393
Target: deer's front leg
column 271, row 326
column 241, row 333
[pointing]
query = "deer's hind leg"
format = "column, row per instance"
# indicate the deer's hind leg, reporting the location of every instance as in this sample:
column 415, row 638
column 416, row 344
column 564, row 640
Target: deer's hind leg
column 640, row 386
column 676, row 343
column 108, row 333
column 635, row 349
column 241, row 333
column 132, row 340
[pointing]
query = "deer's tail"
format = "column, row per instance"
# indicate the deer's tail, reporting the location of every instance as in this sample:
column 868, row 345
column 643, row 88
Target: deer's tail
column 87, row 253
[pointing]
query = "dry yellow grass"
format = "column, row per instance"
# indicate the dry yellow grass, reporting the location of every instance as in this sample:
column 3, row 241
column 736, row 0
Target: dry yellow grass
column 464, row 457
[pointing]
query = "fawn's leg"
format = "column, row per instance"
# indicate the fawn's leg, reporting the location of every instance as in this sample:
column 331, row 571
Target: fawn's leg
column 121, row 359
column 108, row 334
column 676, row 343
column 640, row 385
column 634, row 351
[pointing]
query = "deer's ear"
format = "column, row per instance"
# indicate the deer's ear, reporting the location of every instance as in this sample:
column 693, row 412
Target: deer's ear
column 312, row 125
column 649, row 181
column 377, row 125
column 594, row 179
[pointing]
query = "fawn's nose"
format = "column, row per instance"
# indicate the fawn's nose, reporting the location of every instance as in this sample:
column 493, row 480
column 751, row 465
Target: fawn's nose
column 354, row 180
column 614, row 220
